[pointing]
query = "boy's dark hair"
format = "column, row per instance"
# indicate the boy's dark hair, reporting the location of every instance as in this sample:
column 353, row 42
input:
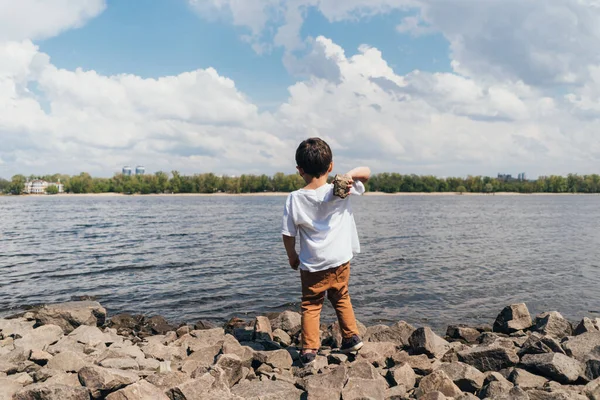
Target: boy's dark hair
column 314, row 157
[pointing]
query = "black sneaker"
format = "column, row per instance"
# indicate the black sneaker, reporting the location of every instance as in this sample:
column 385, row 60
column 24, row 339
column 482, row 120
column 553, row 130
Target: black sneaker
column 307, row 358
column 351, row 344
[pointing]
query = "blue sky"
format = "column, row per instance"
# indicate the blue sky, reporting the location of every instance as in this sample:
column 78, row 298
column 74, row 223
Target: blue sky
column 166, row 37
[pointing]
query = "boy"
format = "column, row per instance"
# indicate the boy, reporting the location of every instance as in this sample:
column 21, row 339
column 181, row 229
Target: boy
column 326, row 229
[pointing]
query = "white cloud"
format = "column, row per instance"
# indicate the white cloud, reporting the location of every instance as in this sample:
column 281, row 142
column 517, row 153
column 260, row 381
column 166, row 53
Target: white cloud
column 499, row 110
column 35, row 19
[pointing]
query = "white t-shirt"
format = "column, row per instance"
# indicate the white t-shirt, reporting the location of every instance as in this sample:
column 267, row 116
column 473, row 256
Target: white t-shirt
column 324, row 224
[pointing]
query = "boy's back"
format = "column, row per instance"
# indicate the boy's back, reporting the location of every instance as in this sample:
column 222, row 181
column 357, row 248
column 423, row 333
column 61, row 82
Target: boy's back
column 324, row 225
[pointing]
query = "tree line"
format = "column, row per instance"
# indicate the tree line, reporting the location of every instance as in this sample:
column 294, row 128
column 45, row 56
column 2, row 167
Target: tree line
column 161, row 182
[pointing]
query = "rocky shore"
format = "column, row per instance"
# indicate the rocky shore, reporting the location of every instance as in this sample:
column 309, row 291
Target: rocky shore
column 72, row 351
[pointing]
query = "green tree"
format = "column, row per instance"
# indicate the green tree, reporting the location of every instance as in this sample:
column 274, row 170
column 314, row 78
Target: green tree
column 489, row 188
column 52, row 189
column 461, row 189
column 17, row 184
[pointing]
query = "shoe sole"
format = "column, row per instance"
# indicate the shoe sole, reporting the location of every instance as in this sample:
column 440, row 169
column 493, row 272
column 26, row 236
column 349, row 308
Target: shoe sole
column 352, row 349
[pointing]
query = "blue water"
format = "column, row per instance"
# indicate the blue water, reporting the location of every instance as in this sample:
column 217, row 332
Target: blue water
column 429, row 260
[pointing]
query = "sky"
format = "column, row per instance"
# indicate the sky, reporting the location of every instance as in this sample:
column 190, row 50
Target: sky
column 442, row 87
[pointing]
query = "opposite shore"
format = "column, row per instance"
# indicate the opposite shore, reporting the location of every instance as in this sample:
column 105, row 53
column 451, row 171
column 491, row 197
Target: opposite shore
column 268, row 194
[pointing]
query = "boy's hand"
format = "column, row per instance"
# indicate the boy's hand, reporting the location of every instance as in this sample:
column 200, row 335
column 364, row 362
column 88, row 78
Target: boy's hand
column 294, row 262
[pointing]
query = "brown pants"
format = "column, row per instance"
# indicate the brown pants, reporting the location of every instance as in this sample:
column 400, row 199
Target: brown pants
column 334, row 281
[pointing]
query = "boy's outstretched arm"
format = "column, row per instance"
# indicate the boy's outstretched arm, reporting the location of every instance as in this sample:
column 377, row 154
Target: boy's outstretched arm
column 360, row 174
column 290, row 247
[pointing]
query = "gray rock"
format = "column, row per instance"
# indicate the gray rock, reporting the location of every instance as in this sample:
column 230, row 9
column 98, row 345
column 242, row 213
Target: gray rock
column 495, row 389
column 515, row 393
column 233, row 368
column 281, row 337
column 67, row 361
column 592, row 369
column 266, row 390
column 359, row 389
column 402, row 375
column 40, row 338
column 22, row 378
column 9, row 387
column 141, row 390
column 232, row 346
column 579, row 347
column 489, row 358
column 592, row 389
column 433, row 396
column 586, row 325
column 553, row 324
column 204, row 356
column 399, row 333
column 513, row 318
column 466, row 377
column 204, row 387
column 326, row 386
column 396, row 393
column 336, row 358
column 425, row 341
column 378, row 353
column 92, row 336
column 17, row 327
column 66, row 344
column 437, row 381
column 539, row 344
column 51, row 392
column 288, row 321
column 63, row 378
column 168, row 380
column 164, row 353
column 276, row 359
column 526, row 380
column 206, row 337
column 40, row 357
column 422, row 364
column 72, row 314
column 463, row 333
column 554, row 366
column 120, row 363
column 262, row 329
column 101, row 381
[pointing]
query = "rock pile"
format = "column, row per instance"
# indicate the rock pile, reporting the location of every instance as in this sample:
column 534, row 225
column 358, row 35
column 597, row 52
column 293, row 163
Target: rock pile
column 71, row 351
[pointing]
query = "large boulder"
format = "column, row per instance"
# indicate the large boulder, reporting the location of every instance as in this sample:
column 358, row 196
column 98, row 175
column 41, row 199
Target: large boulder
column 267, row 390
column 437, row 381
column 17, row 327
column 262, row 329
column 585, row 325
column 553, row 324
column 513, row 318
column 398, row 333
column 43, row 391
column 232, row 366
column 555, row 366
column 539, row 344
column 72, row 314
column 489, row 358
column 287, row 321
column 141, row 390
column 526, row 380
column 208, row 386
column 326, row 386
column 425, row 341
column 466, row 377
column 378, row 353
column 67, row 361
column 102, row 381
column 402, row 375
column 9, row 387
column 495, row 386
column 359, row 389
column 168, row 380
column 40, row 338
column 275, row 359
column 579, row 347
column 92, row 336
column 463, row 333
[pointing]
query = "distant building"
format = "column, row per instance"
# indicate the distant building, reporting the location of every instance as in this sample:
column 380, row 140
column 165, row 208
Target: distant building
column 505, row 177
column 140, row 170
column 522, row 177
column 127, row 171
column 39, row 186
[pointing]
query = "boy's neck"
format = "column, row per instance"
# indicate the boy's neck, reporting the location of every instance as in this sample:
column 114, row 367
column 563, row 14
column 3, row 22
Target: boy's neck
column 313, row 183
